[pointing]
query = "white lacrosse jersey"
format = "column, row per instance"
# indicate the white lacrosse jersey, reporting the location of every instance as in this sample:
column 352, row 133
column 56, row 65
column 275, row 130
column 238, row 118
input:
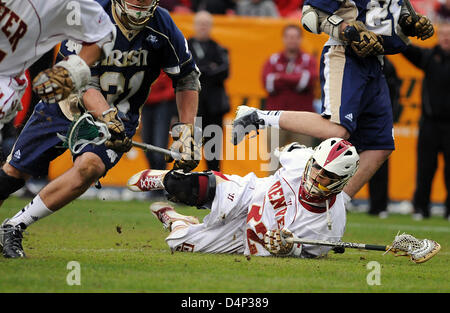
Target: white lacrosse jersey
column 245, row 208
column 30, row 28
column 276, row 205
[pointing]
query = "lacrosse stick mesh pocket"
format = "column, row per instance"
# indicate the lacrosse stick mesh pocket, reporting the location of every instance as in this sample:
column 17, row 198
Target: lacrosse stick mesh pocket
column 418, row 250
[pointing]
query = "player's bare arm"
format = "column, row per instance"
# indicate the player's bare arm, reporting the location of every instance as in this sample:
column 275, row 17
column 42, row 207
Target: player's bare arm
column 187, row 138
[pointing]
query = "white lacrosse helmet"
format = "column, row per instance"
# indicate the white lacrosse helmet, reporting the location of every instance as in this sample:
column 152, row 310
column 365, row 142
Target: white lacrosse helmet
column 135, row 16
column 334, row 161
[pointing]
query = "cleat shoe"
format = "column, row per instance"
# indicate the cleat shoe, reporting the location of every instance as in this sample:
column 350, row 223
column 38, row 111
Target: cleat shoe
column 167, row 215
column 147, row 180
column 11, row 240
column 245, row 121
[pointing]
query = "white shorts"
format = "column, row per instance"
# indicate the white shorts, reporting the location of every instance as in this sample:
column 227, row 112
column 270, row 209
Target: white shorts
column 11, row 92
column 223, row 230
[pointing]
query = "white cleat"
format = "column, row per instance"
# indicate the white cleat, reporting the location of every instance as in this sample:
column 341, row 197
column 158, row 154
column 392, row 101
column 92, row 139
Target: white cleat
column 167, row 215
column 147, row 180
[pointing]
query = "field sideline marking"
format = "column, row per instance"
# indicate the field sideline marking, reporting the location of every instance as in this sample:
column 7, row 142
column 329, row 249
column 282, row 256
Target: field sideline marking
column 436, row 229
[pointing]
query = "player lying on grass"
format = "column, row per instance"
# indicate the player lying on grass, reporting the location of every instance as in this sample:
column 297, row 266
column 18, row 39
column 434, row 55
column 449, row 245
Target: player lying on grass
column 248, row 214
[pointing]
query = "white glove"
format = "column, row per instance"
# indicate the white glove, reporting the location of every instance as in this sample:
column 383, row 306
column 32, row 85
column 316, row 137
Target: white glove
column 10, row 100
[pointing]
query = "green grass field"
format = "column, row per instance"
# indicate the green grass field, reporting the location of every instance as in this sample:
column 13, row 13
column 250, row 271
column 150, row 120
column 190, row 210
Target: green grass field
column 120, row 248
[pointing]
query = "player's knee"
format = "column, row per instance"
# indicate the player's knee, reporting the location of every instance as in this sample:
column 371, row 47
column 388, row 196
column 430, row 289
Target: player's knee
column 9, row 184
column 89, row 167
column 194, row 189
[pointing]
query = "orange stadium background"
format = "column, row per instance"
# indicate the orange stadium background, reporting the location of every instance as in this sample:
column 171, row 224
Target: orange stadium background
column 250, row 42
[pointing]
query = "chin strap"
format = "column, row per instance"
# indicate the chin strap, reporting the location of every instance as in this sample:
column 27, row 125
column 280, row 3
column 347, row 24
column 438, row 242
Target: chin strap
column 327, row 203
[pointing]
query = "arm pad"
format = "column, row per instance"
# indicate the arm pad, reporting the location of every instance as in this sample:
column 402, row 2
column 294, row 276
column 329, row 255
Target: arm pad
column 79, row 71
column 310, row 19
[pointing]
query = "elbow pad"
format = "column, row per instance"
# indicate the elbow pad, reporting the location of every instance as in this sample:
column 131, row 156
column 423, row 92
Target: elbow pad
column 310, row 19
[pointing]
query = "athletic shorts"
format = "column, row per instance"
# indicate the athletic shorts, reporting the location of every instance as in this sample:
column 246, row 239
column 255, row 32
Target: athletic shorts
column 355, row 95
column 38, row 143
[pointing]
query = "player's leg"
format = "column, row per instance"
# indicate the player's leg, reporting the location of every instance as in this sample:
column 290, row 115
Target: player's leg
column 373, row 131
column 194, row 189
column 216, row 234
column 11, row 180
column 445, row 143
column 427, row 160
column 369, row 162
column 87, row 169
column 34, row 149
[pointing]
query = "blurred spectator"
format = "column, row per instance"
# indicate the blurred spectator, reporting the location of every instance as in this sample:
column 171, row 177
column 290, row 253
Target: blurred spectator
column 214, row 6
column 177, row 6
column 378, row 184
column 442, row 10
column 157, row 114
column 434, row 125
column 212, row 60
column 424, row 7
column 289, row 77
column 289, row 8
column 257, row 8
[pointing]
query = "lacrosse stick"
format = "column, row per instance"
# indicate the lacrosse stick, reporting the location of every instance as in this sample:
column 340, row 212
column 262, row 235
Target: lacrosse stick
column 418, row 250
column 84, row 130
column 411, row 11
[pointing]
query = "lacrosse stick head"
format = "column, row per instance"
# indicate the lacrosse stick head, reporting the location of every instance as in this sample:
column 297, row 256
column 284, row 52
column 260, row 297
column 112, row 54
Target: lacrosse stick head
column 83, row 131
column 419, row 250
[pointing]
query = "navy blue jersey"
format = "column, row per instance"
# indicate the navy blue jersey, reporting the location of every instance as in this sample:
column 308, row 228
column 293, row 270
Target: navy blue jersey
column 381, row 17
column 126, row 74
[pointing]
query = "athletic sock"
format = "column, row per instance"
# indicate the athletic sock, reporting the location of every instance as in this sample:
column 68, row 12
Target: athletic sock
column 179, row 225
column 32, row 212
column 270, row 118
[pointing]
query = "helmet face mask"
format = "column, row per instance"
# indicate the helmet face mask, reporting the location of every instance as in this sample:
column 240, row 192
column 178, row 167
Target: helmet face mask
column 135, row 16
column 328, row 170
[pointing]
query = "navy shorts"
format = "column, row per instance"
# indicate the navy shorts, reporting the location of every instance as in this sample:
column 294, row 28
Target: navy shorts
column 38, row 143
column 355, row 95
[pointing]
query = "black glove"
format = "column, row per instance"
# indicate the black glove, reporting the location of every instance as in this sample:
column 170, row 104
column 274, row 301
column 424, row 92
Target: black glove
column 363, row 42
column 422, row 28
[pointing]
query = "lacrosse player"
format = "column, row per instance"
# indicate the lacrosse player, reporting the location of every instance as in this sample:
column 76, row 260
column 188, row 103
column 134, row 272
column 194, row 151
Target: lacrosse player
column 147, row 41
column 250, row 215
column 355, row 97
column 28, row 29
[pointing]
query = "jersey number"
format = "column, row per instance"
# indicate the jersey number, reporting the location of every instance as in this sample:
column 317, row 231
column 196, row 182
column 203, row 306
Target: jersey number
column 377, row 16
column 113, row 83
column 254, row 216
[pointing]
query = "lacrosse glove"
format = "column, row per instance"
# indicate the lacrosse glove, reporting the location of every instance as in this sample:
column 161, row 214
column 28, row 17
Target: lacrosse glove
column 119, row 141
column 187, row 144
column 422, row 28
column 274, row 243
column 363, row 42
column 57, row 83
